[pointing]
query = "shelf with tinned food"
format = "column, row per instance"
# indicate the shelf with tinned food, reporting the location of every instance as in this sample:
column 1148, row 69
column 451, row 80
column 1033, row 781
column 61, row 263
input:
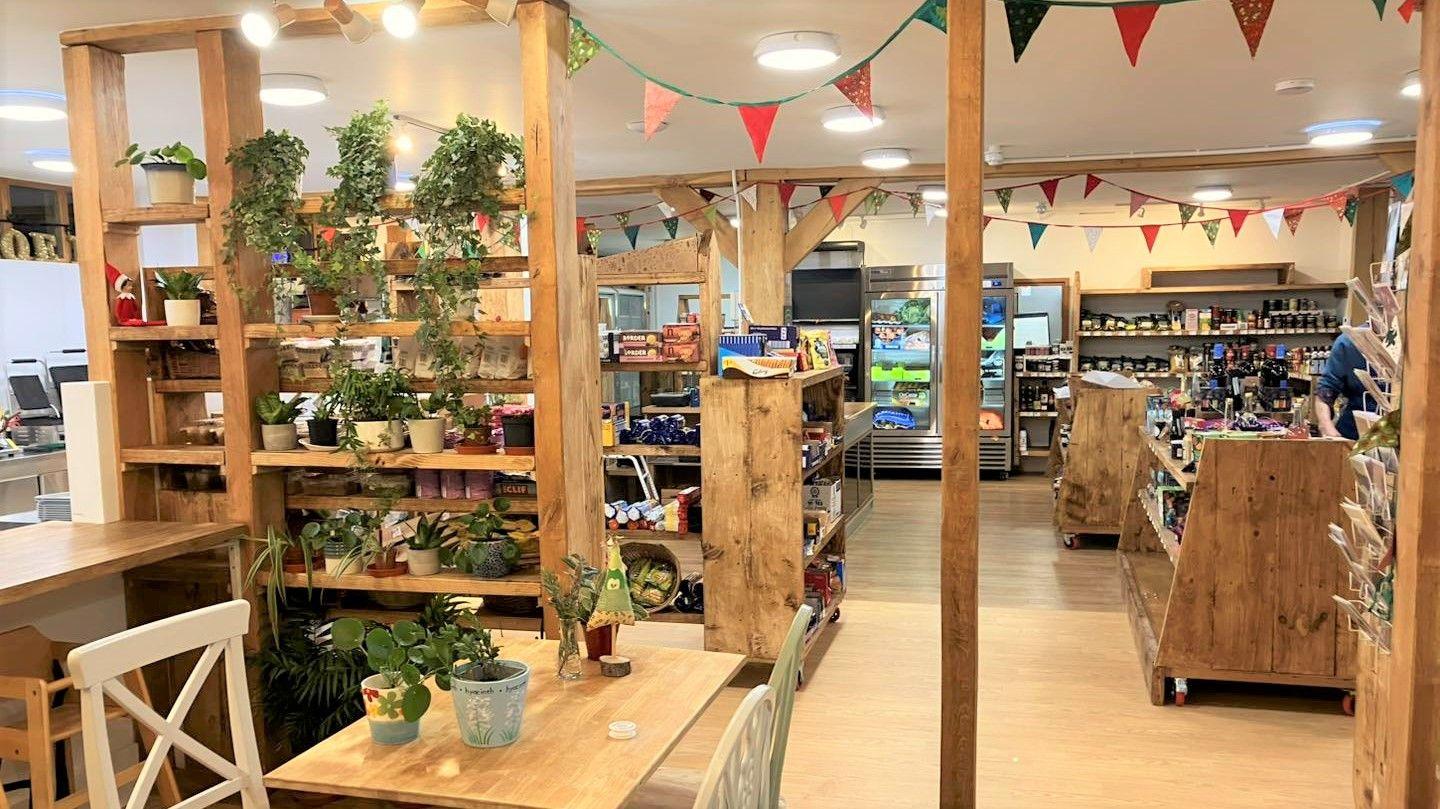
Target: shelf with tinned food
column 524, row 583
column 835, row 452
column 827, row 535
column 1168, row 333
column 398, row 459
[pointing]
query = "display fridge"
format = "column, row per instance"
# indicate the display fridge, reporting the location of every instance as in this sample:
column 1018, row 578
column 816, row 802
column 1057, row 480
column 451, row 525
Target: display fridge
column 903, row 330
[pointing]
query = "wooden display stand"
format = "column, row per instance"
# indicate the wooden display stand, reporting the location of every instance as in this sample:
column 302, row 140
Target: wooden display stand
column 1095, row 484
column 755, row 558
column 1246, row 596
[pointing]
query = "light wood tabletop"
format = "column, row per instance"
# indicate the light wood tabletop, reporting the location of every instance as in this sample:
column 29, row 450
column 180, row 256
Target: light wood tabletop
column 564, row 757
column 50, row 556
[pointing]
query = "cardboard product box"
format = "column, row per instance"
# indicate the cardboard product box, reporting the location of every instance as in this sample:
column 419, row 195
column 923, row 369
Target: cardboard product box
column 681, row 332
column 641, row 353
column 637, row 337
column 681, row 352
column 479, row 485
column 823, row 494
column 778, row 336
column 614, row 417
column 427, row 483
column 513, row 487
column 452, row 484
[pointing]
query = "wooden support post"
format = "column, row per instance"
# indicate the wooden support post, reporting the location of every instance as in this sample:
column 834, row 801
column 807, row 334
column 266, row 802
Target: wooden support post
column 564, row 318
column 1372, row 224
column 960, row 471
column 820, row 222
column 99, row 133
column 1413, row 722
column 687, row 202
column 762, row 269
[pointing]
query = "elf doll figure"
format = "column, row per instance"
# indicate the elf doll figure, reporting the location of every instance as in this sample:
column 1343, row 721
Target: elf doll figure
column 127, row 309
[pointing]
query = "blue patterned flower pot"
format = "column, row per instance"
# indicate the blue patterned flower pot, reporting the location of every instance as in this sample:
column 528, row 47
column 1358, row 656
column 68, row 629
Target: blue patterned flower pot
column 493, row 558
column 489, row 713
column 382, row 709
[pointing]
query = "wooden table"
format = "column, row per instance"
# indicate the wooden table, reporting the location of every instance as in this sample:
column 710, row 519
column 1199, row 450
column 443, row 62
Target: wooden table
column 54, row 555
column 564, row 757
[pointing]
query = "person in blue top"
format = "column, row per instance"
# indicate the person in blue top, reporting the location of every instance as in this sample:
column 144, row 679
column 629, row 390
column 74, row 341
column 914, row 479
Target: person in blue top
column 1336, row 382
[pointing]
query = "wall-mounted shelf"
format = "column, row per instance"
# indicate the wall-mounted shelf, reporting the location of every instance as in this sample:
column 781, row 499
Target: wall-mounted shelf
column 157, row 215
column 394, row 328
column 1161, row 334
column 1233, row 289
column 401, row 459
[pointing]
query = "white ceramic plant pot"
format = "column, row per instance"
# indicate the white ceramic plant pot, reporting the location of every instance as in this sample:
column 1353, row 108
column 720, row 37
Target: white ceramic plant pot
column 423, row 562
column 427, row 436
column 279, row 437
column 182, row 313
column 379, row 435
column 340, row 566
column 169, row 184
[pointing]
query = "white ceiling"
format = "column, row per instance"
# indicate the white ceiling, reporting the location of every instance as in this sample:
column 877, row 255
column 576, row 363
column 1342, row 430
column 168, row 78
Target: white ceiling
column 1074, row 93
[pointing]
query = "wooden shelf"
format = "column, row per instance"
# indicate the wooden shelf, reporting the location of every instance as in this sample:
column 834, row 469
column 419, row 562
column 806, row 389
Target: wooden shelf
column 672, row 617
column 1161, row 451
column 157, row 215
column 186, row 385
column 400, row 459
column 655, row 367
column 655, row 536
column 1038, row 414
column 815, row 377
column 826, row 616
column 518, row 505
column 659, row 410
column 1230, row 289
column 653, row 451
column 394, row 328
column 1042, row 374
column 829, row 533
column 1159, row 334
column 1168, row 540
column 526, row 583
column 131, row 334
column 488, row 618
column 409, row 266
column 174, row 454
column 320, row 384
column 510, row 198
column 835, row 452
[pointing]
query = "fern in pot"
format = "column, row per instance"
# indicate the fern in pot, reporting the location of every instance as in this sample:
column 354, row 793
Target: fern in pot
column 182, row 296
column 278, row 432
column 170, row 172
column 423, row 548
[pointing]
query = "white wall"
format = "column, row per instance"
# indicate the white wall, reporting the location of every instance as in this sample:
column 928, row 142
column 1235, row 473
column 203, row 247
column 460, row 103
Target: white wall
column 40, row 310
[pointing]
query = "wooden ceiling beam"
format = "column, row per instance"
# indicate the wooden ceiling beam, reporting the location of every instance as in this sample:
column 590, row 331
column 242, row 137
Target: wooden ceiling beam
column 688, row 201
column 819, row 222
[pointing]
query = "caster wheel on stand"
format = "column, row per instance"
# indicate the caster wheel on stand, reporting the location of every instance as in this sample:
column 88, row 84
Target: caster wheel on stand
column 1347, row 703
column 835, row 616
column 1071, row 541
column 1182, row 691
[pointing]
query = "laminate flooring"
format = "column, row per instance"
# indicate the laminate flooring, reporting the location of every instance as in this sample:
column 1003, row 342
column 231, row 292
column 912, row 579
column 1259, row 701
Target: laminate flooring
column 1064, row 718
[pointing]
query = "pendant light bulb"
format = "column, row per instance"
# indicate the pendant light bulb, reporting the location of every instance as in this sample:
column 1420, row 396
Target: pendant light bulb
column 261, row 25
column 402, row 18
column 356, row 28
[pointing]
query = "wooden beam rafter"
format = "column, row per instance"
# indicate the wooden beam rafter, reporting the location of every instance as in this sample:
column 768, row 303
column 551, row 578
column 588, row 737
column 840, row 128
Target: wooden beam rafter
column 820, row 222
column 688, row 202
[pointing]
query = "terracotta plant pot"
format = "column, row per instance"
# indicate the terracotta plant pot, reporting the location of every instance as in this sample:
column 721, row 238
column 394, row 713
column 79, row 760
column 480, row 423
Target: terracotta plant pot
column 279, row 437
column 467, row 448
column 427, row 436
column 169, row 184
column 600, row 641
column 182, row 313
column 322, row 303
column 294, row 562
column 396, row 569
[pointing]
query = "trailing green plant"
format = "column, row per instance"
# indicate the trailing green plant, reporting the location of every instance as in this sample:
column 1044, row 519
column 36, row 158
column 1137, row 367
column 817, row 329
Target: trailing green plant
column 355, row 211
column 574, row 600
column 431, row 533
column 270, row 559
column 309, row 686
column 271, row 409
column 176, row 154
column 178, row 285
column 488, row 519
column 264, row 213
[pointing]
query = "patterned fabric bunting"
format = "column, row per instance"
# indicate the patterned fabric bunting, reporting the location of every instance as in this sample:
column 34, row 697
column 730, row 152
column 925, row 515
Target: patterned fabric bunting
column 1091, row 183
column 1049, row 189
column 622, row 219
column 1037, row 229
column 593, row 237
column 1023, row 19
column 1212, row 229
column 984, row 220
column 874, row 201
column 1137, row 201
column 1252, row 15
column 1187, row 212
column 1004, row 195
column 659, row 101
column 855, row 86
column 632, row 232
column 1292, row 219
column 1337, row 202
column 672, row 224
column 1352, row 209
column 758, row 121
column 916, row 202
column 933, row 12
column 482, row 222
column 583, row 48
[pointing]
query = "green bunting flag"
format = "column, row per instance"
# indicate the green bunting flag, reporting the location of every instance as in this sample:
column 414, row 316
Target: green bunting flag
column 1004, row 195
column 622, row 218
column 583, row 48
column 593, row 237
column 1352, row 207
column 933, row 12
column 1023, row 18
column 671, row 223
column 917, row 202
column 874, row 201
column 632, row 232
column 711, row 215
column 1379, row 7
column 1212, row 229
column 1037, row 230
column 1187, row 212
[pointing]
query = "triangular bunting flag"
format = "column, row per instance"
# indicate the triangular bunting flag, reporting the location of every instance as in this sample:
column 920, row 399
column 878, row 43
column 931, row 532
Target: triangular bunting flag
column 1004, row 195
column 1237, row 218
column 1212, row 229
column 632, row 232
column 1379, row 7
column 1092, row 237
column 984, row 220
column 1406, row 9
column 583, row 48
column 593, row 237
column 1137, row 201
column 1091, row 183
column 580, row 227
column 328, row 234
column 837, row 206
column 712, row 215
column 1134, row 23
column 622, row 219
column 930, row 215
column 1292, row 218
column 917, row 201
column 1037, row 229
column 874, row 201
column 748, row 194
column 825, row 191
column 672, row 224
column 933, row 12
column 482, row 221
column 787, row 190
column 758, row 121
column 1252, row 16
column 1187, row 212
column 855, row 86
column 1273, row 218
column 1404, row 184
column 1337, row 202
column 1048, row 188
column 659, row 101
column 1151, row 232
column 1024, row 19
column 1352, row 208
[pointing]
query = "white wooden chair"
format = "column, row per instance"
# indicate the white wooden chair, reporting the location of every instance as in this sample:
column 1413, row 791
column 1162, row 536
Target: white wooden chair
column 784, row 678
column 96, row 669
column 739, row 773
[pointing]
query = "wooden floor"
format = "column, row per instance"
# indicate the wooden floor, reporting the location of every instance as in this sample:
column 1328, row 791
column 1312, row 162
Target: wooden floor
column 1064, row 718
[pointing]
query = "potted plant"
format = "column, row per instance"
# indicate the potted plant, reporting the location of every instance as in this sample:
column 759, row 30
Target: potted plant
column 519, row 429
column 488, row 692
column 395, row 696
column 383, row 553
column 182, row 296
column 341, row 536
column 324, row 429
column 474, row 424
column 170, row 172
column 277, row 421
column 425, row 424
column 575, row 604
column 423, row 554
column 488, row 552
column 373, row 403
column 282, row 553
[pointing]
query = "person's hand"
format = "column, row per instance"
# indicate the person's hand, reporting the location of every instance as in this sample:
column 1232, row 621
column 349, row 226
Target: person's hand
column 1329, row 431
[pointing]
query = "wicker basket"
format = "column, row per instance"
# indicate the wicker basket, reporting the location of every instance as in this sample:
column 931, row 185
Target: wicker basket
column 632, row 552
column 188, row 363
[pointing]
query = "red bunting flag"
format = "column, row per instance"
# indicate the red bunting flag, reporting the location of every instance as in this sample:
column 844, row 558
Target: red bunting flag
column 1292, row 219
column 1134, row 23
column 1237, row 218
column 985, row 221
column 580, row 227
column 1338, row 202
column 482, row 221
column 1049, row 187
column 787, row 190
column 855, row 86
column 758, row 121
column 1252, row 15
column 659, row 101
column 1091, row 183
column 1151, row 232
column 1406, row 9
column 1137, row 201
column 837, row 206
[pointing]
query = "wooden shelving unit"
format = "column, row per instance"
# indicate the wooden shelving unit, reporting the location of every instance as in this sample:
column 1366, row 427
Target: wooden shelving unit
column 518, row 505
column 654, row 450
column 318, row 385
column 1245, row 594
column 655, row 367
column 400, row 459
column 157, row 215
column 395, row 328
column 174, row 454
column 1095, row 487
column 138, row 334
column 460, row 584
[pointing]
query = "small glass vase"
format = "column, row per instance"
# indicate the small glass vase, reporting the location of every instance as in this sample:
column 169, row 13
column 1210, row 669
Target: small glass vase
column 568, row 661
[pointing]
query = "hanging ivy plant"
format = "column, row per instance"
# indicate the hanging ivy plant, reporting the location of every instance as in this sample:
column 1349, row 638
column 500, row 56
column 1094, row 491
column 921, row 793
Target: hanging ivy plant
column 264, row 214
column 355, row 211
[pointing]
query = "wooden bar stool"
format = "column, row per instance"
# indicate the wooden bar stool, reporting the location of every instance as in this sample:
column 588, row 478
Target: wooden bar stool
column 31, row 673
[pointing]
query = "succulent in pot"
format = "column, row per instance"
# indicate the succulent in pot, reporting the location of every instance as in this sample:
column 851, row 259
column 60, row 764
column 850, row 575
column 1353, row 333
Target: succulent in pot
column 423, row 548
column 488, row 552
column 474, row 424
column 277, row 421
column 170, row 172
column 182, row 296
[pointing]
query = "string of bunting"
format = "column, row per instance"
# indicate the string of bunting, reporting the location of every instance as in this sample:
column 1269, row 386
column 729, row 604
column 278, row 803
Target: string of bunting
column 1023, row 18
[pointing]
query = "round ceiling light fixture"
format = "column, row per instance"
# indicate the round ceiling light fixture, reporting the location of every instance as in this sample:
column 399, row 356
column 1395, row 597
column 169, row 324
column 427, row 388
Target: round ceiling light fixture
column 932, row 192
column 31, row 105
column 849, row 118
column 1333, row 134
column 57, row 160
column 1213, row 193
column 885, row 159
column 402, row 18
column 1294, row 87
column 797, row 50
column 292, row 89
column 1410, row 88
column 262, row 24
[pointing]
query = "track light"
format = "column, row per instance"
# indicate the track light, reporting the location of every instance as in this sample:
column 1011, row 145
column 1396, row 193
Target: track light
column 261, row 25
column 356, row 28
column 402, row 18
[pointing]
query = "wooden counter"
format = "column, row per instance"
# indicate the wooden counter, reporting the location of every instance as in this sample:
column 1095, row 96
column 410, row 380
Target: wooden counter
column 51, row 556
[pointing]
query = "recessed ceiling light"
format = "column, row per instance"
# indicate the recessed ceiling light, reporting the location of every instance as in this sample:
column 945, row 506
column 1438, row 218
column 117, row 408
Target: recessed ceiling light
column 31, row 105
column 291, row 89
column 1342, row 133
column 1213, row 193
column 797, row 50
column 57, row 160
column 1294, row 87
column 402, row 18
column 849, row 118
column 405, row 185
column 885, row 159
column 933, row 193
column 262, row 24
column 638, row 127
column 1411, row 87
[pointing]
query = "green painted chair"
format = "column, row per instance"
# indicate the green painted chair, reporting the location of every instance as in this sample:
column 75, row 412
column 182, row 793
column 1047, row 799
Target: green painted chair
column 784, row 677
